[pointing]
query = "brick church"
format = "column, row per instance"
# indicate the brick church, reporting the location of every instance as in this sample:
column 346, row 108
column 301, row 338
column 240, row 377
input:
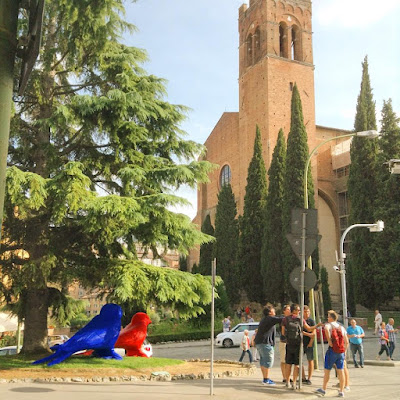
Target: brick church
column 275, row 52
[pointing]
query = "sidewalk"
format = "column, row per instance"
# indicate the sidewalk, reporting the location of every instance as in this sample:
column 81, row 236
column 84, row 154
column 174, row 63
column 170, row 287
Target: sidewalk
column 367, row 383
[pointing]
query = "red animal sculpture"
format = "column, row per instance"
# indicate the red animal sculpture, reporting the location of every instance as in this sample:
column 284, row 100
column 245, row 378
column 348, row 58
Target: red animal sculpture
column 131, row 338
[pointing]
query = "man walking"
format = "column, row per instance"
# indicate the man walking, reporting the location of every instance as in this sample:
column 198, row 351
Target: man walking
column 378, row 321
column 392, row 336
column 265, row 342
column 335, row 355
column 355, row 334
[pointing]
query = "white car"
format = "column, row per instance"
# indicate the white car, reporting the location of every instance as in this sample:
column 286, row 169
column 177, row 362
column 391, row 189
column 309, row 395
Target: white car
column 234, row 336
column 8, row 350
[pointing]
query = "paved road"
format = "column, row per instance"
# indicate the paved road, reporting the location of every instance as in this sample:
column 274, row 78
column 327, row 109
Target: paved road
column 202, row 350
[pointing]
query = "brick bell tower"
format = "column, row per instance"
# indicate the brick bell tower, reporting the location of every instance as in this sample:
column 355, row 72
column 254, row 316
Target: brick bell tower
column 275, row 52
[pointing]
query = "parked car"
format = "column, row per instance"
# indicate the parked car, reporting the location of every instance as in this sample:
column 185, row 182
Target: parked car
column 53, row 340
column 234, row 336
column 8, row 350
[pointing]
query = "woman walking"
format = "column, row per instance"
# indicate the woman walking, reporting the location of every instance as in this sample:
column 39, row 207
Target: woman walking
column 383, row 341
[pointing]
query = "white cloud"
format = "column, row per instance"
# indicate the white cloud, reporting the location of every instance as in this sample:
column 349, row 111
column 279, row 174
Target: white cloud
column 353, row 13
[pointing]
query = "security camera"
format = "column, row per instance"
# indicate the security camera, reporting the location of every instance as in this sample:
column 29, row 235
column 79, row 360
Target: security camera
column 336, row 268
column 394, row 166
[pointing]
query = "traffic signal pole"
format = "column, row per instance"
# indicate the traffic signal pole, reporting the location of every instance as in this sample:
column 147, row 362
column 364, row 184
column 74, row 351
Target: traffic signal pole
column 8, row 46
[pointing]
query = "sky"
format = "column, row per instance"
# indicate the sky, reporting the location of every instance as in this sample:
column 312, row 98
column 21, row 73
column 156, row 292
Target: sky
column 193, row 44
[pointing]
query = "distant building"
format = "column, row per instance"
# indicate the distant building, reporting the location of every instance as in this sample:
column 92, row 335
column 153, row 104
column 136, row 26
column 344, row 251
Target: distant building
column 275, row 52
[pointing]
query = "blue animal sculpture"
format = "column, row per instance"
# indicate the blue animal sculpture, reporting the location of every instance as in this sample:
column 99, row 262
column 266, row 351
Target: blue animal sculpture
column 100, row 334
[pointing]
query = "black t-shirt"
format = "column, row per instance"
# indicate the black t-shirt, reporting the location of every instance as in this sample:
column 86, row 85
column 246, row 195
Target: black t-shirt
column 306, row 339
column 266, row 330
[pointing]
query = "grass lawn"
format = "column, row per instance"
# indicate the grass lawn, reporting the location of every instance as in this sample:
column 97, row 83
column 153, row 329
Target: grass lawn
column 82, row 362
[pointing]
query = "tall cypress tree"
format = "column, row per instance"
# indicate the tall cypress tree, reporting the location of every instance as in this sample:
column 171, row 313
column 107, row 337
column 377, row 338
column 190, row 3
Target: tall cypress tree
column 206, row 249
column 226, row 241
column 387, row 243
column 293, row 192
column 252, row 224
column 271, row 256
column 362, row 189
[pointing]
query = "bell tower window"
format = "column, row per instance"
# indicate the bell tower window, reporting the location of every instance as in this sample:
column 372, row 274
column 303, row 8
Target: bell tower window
column 296, row 44
column 257, row 44
column 225, row 176
column 283, row 40
column 249, row 50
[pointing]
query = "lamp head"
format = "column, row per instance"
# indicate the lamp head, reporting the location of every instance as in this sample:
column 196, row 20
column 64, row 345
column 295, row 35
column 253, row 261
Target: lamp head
column 371, row 134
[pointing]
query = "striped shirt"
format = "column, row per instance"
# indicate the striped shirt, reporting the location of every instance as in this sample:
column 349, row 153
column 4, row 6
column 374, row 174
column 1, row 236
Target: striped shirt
column 392, row 334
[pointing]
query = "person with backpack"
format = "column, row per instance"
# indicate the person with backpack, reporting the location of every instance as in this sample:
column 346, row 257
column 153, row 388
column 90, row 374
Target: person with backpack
column 335, row 355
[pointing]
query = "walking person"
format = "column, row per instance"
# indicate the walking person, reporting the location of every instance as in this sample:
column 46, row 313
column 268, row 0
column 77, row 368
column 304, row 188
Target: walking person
column 245, row 346
column 335, row 355
column 265, row 342
column 253, row 345
column 383, row 341
column 356, row 334
column 378, row 320
column 392, row 336
column 226, row 324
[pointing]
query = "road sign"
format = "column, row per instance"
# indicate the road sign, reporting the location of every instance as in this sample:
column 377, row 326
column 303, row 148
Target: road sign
column 310, row 279
column 311, row 221
column 311, row 244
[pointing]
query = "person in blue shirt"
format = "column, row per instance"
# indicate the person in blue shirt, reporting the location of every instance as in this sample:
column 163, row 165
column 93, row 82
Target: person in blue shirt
column 355, row 334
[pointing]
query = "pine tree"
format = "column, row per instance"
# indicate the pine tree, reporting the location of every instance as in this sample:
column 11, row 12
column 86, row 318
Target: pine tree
column 362, row 189
column 95, row 155
column 387, row 243
column 252, row 228
column 293, row 189
column 206, row 249
column 271, row 255
column 226, row 241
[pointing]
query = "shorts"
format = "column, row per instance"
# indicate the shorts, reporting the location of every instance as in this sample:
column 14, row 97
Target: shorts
column 309, row 352
column 332, row 358
column 292, row 354
column 282, row 352
column 266, row 352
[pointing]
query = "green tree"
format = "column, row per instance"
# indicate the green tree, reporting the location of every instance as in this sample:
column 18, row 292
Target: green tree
column 362, row 189
column 95, row 155
column 206, row 249
column 293, row 188
column 272, row 266
column 387, row 243
column 251, row 235
column 326, row 293
column 226, row 241
column 183, row 263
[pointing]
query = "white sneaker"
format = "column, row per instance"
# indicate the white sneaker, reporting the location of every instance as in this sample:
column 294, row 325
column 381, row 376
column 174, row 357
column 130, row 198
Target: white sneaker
column 347, row 388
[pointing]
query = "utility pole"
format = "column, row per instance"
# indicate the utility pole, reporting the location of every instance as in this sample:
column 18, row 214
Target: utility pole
column 8, row 47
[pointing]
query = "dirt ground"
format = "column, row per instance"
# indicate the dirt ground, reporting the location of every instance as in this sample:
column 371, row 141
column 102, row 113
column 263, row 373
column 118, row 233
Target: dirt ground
column 189, row 367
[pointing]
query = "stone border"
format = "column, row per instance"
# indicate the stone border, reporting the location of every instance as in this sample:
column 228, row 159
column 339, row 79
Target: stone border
column 163, row 376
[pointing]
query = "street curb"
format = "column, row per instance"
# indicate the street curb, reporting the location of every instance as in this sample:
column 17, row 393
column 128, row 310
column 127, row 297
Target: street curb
column 379, row 363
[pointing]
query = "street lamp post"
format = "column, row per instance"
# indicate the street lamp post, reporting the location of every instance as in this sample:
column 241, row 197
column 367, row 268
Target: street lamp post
column 377, row 227
column 371, row 134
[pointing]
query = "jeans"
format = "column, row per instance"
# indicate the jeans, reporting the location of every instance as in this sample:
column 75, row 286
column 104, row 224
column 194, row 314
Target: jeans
column 392, row 346
column 243, row 353
column 357, row 347
column 384, row 347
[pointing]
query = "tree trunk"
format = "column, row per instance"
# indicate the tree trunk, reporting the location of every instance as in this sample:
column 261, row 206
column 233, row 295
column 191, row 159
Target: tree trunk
column 35, row 337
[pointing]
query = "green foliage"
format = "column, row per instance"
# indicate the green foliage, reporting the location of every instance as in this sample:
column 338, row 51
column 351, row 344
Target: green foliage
column 184, row 336
column 387, row 243
column 293, row 188
column 183, row 263
column 252, row 224
column 362, row 190
column 96, row 154
column 271, row 255
column 206, row 249
column 326, row 294
column 226, row 242
column 79, row 321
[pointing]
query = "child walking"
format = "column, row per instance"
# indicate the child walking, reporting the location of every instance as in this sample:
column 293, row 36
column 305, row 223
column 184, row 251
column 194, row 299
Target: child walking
column 245, row 346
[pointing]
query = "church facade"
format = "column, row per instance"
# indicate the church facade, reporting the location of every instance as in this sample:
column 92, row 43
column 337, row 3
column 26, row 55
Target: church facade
column 276, row 52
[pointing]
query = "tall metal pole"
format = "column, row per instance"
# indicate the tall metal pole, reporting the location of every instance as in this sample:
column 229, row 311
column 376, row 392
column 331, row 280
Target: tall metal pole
column 213, row 273
column 8, row 46
column 303, row 271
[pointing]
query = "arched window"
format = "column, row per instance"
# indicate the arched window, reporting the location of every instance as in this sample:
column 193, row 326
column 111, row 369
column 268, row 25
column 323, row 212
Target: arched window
column 257, row 44
column 249, row 50
column 225, row 176
column 296, row 44
column 283, row 40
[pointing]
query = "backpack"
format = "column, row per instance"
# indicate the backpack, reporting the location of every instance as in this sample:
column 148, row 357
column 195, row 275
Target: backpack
column 337, row 340
column 293, row 331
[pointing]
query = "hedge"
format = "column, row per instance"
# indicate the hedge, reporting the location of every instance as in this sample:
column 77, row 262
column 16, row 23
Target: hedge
column 175, row 337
